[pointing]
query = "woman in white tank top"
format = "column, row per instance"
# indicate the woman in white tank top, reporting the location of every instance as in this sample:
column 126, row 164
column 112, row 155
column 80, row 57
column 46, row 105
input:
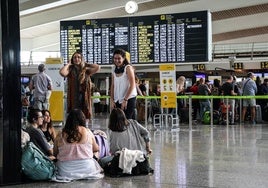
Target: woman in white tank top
column 123, row 87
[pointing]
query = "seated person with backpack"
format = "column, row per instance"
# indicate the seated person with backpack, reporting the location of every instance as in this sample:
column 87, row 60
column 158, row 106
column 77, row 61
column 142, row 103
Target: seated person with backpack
column 35, row 118
column 126, row 136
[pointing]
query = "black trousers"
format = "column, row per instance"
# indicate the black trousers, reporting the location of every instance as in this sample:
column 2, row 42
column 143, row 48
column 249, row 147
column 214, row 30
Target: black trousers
column 131, row 106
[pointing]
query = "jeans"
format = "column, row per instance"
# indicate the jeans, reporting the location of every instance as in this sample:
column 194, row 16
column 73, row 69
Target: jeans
column 231, row 102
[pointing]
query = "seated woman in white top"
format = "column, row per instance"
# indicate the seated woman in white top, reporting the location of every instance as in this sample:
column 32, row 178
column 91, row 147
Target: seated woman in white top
column 74, row 147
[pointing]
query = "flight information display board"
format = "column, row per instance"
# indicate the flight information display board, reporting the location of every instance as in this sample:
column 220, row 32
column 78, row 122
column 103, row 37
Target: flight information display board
column 167, row 38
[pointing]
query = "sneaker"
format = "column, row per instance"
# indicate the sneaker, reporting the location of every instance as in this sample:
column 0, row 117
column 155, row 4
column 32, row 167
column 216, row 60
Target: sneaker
column 253, row 122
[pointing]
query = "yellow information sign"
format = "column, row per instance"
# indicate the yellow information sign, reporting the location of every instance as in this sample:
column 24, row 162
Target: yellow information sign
column 168, row 85
column 168, row 100
column 57, row 96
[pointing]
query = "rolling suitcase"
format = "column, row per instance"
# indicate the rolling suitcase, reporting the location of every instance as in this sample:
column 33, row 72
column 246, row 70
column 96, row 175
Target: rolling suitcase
column 258, row 116
column 184, row 115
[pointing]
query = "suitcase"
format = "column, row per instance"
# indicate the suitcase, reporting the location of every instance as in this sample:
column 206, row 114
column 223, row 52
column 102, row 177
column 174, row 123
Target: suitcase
column 265, row 112
column 184, row 115
column 258, row 116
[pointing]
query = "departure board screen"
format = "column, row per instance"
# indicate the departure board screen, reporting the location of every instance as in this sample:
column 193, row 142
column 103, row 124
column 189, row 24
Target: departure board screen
column 167, row 38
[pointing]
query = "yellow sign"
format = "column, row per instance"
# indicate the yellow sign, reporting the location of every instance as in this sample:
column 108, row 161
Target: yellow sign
column 56, row 107
column 167, row 67
column 264, row 65
column 168, row 100
column 56, row 100
column 54, row 60
column 201, row 67
column 168, row 85
column 238, row 65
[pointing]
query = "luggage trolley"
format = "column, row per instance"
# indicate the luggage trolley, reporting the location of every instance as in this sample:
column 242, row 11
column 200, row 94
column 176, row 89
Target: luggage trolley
column 166, row 119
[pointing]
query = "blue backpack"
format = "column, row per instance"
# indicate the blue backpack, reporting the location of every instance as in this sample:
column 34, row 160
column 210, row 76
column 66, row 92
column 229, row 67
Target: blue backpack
column 35, row 164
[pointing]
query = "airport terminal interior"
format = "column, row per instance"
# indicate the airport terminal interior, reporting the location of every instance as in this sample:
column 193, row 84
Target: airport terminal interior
column 203, row 156
column 216, row 39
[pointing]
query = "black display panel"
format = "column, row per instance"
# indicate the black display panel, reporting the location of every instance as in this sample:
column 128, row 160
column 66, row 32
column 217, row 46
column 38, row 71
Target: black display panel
column 167, row 38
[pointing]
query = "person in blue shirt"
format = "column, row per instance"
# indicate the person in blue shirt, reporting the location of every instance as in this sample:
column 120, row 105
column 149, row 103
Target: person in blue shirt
column 249, row 88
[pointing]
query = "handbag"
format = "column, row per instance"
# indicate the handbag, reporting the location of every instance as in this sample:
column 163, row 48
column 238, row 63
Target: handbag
column 35, row 164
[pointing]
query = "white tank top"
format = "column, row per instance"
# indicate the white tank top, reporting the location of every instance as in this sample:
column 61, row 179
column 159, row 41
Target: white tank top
column 121, row 85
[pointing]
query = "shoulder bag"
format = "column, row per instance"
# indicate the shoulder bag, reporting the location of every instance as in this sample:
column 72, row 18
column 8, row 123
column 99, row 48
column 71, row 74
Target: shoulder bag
column 35, row 164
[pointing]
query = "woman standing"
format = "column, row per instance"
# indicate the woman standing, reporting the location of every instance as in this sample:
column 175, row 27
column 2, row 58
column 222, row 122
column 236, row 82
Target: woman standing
column 123, row 87
column 78, row 73
column 180, row 90
column 96, row 101
column 74, row 147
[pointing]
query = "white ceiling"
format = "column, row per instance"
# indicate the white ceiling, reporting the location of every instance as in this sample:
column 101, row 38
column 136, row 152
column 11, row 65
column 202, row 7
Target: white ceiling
column 234, row 21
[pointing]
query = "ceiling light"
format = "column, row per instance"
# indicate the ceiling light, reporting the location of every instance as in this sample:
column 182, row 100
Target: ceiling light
column 46, row 6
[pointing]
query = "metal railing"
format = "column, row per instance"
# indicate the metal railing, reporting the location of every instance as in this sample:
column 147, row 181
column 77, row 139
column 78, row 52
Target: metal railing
column 189, row 99
column 240, row 50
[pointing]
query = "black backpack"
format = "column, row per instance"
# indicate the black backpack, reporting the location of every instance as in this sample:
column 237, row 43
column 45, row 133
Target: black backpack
column 113, row 170
column 215, row 91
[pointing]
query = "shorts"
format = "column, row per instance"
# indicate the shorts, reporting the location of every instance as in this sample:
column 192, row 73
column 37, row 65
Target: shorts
column 38, row 104
column 249, row 102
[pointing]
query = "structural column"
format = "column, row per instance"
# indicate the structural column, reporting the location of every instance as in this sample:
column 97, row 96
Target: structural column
column 10, row 93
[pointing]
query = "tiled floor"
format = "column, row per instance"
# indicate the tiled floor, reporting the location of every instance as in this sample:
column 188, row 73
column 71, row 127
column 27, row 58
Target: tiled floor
column 221, row 156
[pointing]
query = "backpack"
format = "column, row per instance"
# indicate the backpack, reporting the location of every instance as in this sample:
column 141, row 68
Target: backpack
column 215, row 91
column 104, row 147
column 113, row 170
column 237, row 90
column 216, row 117
column 35, row 164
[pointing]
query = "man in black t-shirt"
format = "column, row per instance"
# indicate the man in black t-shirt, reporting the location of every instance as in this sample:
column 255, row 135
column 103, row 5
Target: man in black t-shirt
column 228, row 90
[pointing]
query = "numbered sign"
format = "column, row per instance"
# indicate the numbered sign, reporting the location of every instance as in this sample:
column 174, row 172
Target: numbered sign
column 238, row 66
column 264, row 65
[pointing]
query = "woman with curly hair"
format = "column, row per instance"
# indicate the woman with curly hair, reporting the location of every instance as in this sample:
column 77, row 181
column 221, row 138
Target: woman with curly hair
column 78, row 73
column 74, row 147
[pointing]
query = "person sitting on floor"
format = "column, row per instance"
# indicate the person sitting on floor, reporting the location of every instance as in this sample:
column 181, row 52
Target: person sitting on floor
column 35, row 118
column 126, row 133
column 74, row 147
column 47, row 127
